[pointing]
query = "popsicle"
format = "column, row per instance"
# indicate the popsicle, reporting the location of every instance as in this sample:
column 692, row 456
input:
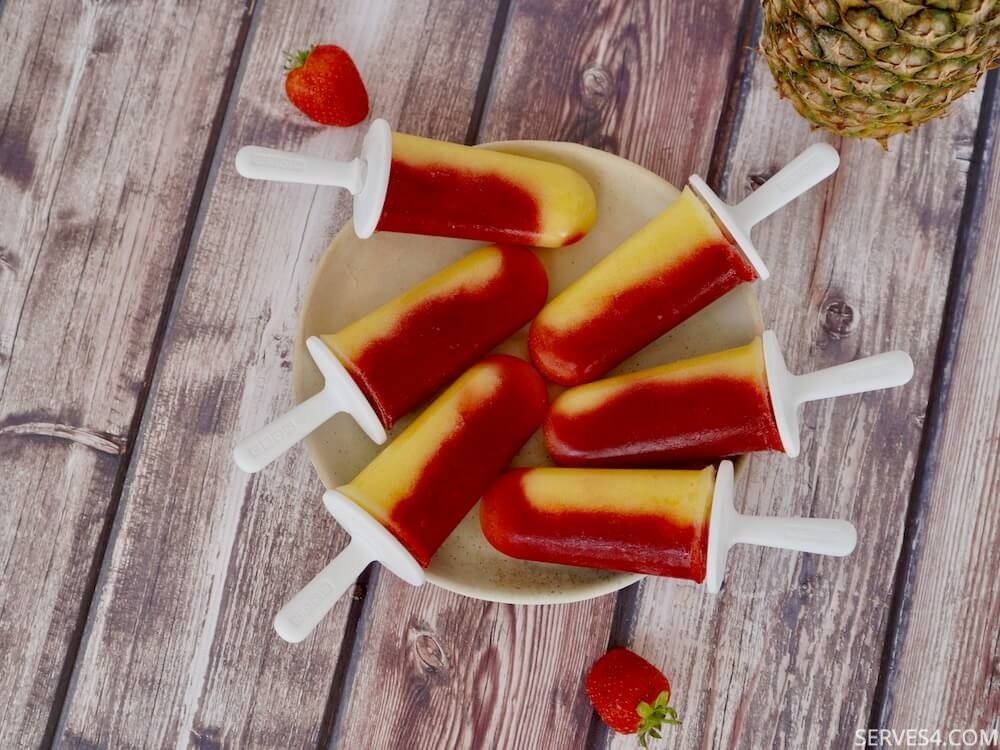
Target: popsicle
column 740, row 400
column 688, row 256
column 664, row 522
column 393, row 359
column 405, row 183
column 403, row 505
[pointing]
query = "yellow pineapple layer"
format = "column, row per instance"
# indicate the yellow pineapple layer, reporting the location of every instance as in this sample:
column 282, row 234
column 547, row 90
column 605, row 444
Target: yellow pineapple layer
column 668, row 239
column 473, row 272
column 743, row 363
column 682, row 497
column 568, row 204
column 393, row 473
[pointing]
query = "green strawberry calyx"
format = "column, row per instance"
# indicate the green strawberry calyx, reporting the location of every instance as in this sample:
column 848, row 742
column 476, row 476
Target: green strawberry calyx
column 653, row 717
column 295, row 60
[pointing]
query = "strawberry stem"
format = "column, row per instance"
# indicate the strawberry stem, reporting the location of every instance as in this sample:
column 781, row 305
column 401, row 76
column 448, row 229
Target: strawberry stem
column 654, row 717
column 295, row 60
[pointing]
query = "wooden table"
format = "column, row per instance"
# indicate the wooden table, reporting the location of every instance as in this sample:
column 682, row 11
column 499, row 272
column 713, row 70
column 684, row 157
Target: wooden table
column 148, row 300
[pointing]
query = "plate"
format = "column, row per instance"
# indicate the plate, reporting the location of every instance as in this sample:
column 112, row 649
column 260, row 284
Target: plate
column 355, row 276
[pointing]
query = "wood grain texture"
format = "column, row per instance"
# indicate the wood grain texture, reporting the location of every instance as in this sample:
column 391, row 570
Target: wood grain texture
column 945, row 670
column 788, row 655
column 635, row 79
column 106, row 122
column 462, row 673
column 180, row 649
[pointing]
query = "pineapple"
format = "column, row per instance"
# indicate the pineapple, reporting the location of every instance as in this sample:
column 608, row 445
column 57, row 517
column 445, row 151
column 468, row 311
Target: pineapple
column 875, row 68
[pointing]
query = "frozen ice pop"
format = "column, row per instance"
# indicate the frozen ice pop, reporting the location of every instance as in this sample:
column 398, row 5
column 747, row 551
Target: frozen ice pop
column 740, row 400
column 403, row 505
column 450, row 190
column 685, row 258
column 660, row 276
column 425, row 482
column 675, row 523
column 396, row 357
column 406, row 350
column 405, row 183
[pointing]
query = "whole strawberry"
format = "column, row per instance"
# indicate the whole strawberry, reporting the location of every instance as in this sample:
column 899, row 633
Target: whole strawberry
column 630, row 694
column 324, row 83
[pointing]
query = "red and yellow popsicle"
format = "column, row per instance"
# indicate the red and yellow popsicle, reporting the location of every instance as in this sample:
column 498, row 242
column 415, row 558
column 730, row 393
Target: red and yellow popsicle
column 687, row 257
column 676, row 523
column 406, row 350
column 396, row 357
column 670, row 269
column 698, row 409
column 643, row 521
column 450, row 190
column 406, row 502
column 741, row 400
column 405, row 183
column 431, row 475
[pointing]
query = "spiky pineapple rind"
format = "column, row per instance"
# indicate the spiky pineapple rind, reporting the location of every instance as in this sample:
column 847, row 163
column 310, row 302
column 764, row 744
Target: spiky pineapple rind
column 877, row 68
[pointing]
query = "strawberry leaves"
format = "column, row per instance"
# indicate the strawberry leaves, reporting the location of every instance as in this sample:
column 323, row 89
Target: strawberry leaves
column 297, row 59
column 653, row 717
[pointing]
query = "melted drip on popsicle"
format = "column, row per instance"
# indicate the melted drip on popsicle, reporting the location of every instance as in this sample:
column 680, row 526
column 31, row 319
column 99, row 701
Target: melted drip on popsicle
column 638, row 316
column 648, row 542
column 447, row 202
column 440, row 337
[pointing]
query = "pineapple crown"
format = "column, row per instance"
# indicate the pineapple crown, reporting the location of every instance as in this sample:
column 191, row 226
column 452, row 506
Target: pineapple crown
column 653, row 717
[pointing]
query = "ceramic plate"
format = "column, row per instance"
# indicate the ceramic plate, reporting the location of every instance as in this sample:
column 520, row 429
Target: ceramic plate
column 354, row 276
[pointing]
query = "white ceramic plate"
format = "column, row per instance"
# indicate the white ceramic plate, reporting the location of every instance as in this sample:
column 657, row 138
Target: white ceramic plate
column 355, row 276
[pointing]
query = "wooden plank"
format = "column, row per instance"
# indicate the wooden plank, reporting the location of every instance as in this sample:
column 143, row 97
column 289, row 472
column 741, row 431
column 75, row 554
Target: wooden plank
column 788, row 655
column 107, row 119
column 943, row 667
column 180, row 647
column 454, row 672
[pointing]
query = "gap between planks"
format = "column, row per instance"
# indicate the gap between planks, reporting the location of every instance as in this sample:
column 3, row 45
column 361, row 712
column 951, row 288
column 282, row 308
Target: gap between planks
column 967, row 244
column 486, row 80
column 189, row 236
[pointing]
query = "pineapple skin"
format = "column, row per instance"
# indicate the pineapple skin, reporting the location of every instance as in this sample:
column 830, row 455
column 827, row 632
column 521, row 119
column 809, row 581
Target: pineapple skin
column 876, row 68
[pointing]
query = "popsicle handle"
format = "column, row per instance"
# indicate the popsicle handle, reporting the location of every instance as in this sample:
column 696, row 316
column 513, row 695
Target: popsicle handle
column 822, row 536
column 303, row 612
column 255, row 452
column 272, row 165
column 807, row 169
column 886, row 370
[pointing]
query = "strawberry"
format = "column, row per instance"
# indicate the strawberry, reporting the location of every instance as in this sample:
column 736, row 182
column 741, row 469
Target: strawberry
column 630, row 694
column 324, row 83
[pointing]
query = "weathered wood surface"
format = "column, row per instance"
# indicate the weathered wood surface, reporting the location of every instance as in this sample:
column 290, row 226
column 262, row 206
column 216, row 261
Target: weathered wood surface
column 107, row 124
column 463, row 673
column 180, row 648
column 944, row 665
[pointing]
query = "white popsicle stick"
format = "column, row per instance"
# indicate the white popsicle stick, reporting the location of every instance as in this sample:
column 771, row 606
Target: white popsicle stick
column 370, row 542
column 340, row 395
column 789, row 391
column 272, row 165
column 807, row 169
column 821, row 536
column 365, row 177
